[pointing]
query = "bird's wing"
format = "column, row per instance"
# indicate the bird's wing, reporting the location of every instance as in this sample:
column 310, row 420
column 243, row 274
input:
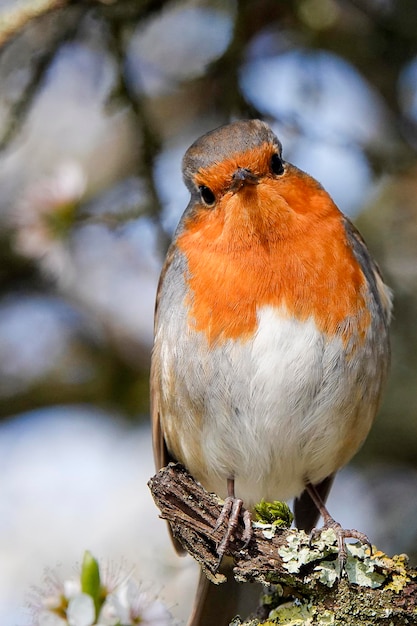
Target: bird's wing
column 381, row 293
column 160, row 451
column 305, row 511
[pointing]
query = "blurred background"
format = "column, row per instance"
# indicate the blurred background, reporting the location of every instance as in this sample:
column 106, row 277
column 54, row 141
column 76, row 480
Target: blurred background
column 98, row 102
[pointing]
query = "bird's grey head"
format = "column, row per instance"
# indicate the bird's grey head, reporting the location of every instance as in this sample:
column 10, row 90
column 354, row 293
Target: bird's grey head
column 223, row 142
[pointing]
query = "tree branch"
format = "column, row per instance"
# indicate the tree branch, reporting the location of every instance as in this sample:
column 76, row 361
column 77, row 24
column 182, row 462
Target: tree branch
column 14, row 18
column 19, row 109
column 371, row 590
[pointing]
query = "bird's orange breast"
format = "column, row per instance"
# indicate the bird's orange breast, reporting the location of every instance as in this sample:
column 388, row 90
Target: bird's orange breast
column 280, row 243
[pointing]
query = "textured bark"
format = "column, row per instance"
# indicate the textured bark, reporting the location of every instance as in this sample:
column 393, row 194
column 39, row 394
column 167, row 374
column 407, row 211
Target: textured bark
column 192, row 513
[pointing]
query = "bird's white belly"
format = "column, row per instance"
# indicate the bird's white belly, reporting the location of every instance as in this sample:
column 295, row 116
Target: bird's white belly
column 273, row 409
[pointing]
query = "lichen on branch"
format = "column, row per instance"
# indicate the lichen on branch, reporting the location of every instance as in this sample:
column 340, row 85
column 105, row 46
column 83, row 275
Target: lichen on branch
column 372, row 590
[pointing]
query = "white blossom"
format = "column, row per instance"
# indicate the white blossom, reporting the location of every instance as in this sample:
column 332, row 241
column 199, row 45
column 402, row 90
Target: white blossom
column 81, row 610
column 115, row 598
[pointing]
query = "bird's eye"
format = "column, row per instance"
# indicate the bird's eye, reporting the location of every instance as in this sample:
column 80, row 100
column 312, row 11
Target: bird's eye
column 207, row 195
column 276, row 164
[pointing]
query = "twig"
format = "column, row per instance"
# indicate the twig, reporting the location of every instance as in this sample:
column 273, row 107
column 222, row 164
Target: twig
column 14, row 18
column 20, row 108
column 147, row 133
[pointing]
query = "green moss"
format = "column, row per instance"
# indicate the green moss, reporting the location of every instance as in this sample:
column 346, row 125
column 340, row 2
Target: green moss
column 275, row 513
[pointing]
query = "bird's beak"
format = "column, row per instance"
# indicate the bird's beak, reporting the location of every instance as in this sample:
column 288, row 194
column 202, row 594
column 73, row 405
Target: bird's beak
column 243, row 176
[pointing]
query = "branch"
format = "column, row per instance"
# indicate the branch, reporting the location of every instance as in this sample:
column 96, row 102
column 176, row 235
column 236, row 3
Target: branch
column 40, row 64
column 372, row 589
column 14, row 18
column 150, row 139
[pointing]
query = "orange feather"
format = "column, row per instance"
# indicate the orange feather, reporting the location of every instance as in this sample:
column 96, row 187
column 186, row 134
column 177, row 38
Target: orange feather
column 274, row 231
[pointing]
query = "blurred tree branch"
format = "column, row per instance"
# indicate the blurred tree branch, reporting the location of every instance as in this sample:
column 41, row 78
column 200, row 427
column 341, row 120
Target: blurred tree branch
column 19, row 110
column 15, row 17
column 151, row 141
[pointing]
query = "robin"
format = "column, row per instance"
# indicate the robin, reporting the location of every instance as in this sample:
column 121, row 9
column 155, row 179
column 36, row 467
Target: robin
column 271, row 336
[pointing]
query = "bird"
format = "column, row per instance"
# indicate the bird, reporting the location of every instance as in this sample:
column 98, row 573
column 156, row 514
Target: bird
column 271, row 342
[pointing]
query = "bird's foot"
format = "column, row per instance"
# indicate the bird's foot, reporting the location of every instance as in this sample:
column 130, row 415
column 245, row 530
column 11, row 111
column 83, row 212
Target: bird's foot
column 341, row 535
column 230, row 514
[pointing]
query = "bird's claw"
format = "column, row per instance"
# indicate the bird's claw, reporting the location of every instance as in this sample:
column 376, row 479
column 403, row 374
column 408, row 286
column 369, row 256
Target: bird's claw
column 230, row 513
column 341, row 535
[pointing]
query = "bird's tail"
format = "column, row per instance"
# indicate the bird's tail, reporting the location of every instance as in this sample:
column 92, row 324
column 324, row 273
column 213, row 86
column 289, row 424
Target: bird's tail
column 217, row 605
column 306, row 513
